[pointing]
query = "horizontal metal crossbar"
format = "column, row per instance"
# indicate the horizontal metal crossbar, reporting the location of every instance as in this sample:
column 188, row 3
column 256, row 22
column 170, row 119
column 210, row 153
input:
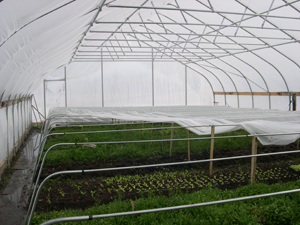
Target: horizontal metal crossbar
column 203, row 11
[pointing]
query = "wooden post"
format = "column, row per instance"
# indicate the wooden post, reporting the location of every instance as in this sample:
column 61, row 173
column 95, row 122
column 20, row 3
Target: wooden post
column 212, row 143
column 152, row 132
column 253, row 159
column 132, row 205
column 171, row 142
column 294, row 102
column 163, row 136
column 298, row 144
column 143, row 128
column 189, row 153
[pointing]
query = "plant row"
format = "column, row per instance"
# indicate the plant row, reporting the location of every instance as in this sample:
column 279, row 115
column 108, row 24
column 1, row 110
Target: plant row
column 104, row 190
column 283, row 209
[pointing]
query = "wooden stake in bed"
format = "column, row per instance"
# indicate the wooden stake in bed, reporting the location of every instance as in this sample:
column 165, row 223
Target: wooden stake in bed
column 171, row 142
column 162, row 136
column 253, row 159
column 212, row 143
column 189, row 152
column 152, row 132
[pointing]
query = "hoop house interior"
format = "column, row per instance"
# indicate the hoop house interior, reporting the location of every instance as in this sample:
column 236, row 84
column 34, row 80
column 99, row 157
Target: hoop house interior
column 193, row 62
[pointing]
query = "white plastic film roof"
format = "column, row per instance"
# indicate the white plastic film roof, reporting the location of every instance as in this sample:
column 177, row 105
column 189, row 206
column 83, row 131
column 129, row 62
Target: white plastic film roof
column 235, row 45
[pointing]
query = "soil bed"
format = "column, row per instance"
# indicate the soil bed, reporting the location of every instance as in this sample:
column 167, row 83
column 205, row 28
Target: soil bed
column 83, row 191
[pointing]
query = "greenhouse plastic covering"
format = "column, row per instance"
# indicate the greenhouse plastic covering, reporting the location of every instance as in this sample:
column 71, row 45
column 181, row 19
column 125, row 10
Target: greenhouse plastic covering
column 198, row 119
column 235, row 45
column 151, row 53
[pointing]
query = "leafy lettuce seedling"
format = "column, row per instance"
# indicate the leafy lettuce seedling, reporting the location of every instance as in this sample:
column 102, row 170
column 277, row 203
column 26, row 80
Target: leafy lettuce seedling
column 295, row 167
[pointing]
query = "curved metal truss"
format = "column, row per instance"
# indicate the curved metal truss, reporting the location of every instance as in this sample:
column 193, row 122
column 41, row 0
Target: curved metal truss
column 220, row 40
column 196, row 33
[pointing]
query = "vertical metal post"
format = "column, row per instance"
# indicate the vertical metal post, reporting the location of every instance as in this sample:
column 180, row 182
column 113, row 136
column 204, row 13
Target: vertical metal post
column 45, row 99
column 66, row 98
column 31, row 111
column 102, row 85
column 37, row 109
column 185, row 85
column 22, row 123
column 25, row 119
column 270, row 106
column 18, row 109
column 152, row 78
column 25, row 115
column 214, row 97
column 1, row 96
column 13, row 120
column 7, row 131
column 28, row 111
column 290, row 101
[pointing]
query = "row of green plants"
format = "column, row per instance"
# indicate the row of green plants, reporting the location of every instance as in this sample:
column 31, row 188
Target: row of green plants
column 283, row 209
column 80, row 153
column 104, row 190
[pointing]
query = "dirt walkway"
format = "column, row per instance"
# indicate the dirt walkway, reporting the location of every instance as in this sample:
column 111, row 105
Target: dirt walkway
column 14, row 198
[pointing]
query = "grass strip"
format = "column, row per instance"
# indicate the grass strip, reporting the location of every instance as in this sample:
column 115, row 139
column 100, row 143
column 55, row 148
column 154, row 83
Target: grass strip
column 76, row 153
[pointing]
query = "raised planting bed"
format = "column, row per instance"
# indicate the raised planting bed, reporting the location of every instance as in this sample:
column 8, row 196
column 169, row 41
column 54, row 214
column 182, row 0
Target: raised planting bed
column 82, row 191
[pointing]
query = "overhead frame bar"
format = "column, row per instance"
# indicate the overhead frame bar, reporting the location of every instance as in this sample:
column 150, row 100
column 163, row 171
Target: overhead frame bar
column 188, row 34
column 199, row 24
column 203, row 11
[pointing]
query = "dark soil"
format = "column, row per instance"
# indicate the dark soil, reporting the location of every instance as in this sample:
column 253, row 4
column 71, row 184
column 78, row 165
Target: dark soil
column 81, row 191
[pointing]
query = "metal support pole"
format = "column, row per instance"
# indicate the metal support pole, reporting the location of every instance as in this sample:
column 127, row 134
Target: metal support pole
column 7, row 132
column 152, row 78
column 19, row 121
column 185, row 84
column 102, row 85
column 22, row 121
column 31, row 110
column 66, row 97
column 13, row 120
column 26, row 115
column 45, row 98
column 1, row 96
